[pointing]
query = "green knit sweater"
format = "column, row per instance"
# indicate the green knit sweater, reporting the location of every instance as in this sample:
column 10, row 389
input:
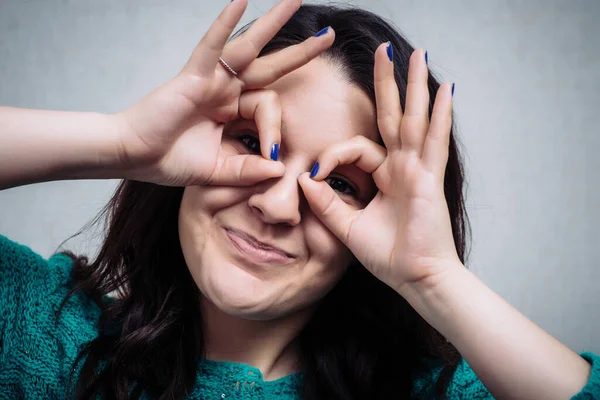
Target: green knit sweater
column 36, row 355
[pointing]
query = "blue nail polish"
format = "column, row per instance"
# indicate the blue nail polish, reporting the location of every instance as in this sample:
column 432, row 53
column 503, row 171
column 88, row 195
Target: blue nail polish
column 275, row 151
column 426, row 58
column 453, row 90
column 322, row 32
column 314, row 170
column 390, row 51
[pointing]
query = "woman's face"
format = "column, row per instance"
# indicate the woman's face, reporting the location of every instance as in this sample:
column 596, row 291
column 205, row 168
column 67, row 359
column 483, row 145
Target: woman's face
column 219, row 226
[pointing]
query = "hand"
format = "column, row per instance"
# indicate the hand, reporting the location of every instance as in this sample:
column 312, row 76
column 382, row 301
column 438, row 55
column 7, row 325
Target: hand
column 404, row 235
column 172, row 137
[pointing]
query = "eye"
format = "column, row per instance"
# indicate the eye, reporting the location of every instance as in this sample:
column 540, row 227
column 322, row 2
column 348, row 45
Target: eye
column 341, row 186
column 250, row 142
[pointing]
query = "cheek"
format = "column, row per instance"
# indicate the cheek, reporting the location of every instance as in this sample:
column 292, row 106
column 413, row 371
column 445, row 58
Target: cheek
column 322, row 243
column 193, row 226
column 199, row 206
column 329, row 258
column 211, row 199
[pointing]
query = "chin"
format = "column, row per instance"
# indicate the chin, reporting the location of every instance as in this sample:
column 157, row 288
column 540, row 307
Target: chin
column 237, row 292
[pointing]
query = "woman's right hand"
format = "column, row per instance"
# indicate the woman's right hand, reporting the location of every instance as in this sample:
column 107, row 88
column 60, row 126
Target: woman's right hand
column 172, row 137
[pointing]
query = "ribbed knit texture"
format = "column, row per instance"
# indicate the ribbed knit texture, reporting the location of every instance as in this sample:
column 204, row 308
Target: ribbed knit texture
column 37, row 354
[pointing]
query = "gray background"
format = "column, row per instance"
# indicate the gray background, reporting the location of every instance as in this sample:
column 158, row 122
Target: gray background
column 527, row 79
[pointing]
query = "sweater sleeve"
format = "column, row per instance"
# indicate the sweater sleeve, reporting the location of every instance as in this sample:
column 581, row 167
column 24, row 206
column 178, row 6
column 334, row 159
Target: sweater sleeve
column 591, row 390
column 37, row 351
column 465, row 385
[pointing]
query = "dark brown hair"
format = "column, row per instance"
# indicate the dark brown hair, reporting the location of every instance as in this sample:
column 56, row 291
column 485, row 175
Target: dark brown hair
column 363, row 342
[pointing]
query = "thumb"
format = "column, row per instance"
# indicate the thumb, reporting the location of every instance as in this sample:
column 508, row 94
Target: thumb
column 336, row 215
column 244, row 170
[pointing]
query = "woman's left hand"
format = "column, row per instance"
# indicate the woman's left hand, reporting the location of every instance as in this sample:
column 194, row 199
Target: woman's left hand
column 404, row 235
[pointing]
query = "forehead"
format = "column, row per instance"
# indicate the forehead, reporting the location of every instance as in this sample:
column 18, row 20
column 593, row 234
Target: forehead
column 320, row 107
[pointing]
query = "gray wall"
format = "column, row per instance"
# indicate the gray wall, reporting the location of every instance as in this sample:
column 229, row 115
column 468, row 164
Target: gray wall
column 527, row 91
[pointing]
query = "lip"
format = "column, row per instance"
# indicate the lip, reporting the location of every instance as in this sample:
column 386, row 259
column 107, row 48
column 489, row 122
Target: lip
column 255, row 250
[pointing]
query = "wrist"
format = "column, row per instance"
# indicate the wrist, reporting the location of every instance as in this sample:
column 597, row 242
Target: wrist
column 93, row 141
column 446, row 274
column 441, row 298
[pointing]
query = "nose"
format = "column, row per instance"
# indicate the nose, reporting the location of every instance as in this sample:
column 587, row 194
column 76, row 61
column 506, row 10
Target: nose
column 278, row 201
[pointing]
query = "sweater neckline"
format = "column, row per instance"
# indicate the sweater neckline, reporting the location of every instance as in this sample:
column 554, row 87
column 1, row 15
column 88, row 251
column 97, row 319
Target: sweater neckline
column 246, row 370
column 234, row 379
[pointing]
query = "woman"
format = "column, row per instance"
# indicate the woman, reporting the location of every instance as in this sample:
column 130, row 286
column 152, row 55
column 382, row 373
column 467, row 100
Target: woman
column 290, row 225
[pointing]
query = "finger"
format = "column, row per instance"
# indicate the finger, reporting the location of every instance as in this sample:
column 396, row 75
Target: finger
column 364, row 153
column 335, row 214
column 243, row 170
column 241, row 51
column 415, row 120
column 267, row 69
column 264, row 107
column 387, row 97
column 435, row 150
column 206, row 55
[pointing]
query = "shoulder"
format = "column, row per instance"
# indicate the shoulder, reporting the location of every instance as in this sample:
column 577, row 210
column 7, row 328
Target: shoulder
column 37, row 351
column 22, row 270
column 592, row 388
column 464, row 383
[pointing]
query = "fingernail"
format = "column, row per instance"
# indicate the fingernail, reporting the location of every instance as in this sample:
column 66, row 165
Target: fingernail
column 452, row 89
column 322, row 32
column 390, row 51
column 314, row 170
column 275, row 152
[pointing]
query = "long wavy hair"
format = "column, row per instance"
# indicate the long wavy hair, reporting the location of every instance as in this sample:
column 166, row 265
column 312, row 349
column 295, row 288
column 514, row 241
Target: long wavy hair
column 364, row 340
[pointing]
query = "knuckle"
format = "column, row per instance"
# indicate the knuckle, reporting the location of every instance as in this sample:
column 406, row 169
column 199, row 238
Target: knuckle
column 386, row 112
column 360, row 145
column 270, row 96
column 239, row 173
column 253, row 47
column 351, row 222
column 213, row 176
column 361, row 140
column 329, row 207
column 329, row 151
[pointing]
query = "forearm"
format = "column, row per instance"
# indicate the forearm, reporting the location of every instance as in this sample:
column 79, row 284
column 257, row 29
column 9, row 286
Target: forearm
column 38, row 146
column 512, row 356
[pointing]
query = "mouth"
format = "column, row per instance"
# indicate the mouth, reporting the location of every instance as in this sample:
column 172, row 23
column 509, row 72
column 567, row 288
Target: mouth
column 257, row 251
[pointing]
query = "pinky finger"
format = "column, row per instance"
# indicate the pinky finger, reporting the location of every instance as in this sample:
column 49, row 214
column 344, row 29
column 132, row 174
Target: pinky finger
column 336, row 215
column 435, row 150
